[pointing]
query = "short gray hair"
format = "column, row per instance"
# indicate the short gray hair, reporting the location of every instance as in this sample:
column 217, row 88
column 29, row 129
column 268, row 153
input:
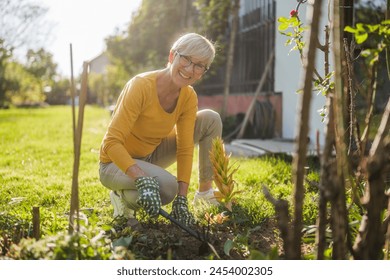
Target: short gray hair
column 195, row 45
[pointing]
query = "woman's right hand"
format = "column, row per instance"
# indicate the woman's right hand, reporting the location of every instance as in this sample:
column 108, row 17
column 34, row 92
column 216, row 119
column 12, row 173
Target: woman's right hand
column 181, row 212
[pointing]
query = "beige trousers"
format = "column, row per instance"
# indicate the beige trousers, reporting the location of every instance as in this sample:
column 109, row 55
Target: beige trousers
column 208, row 125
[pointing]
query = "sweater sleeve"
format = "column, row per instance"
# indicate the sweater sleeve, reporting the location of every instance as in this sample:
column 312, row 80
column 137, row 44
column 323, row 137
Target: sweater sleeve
column 185, row 138
column 127, row 110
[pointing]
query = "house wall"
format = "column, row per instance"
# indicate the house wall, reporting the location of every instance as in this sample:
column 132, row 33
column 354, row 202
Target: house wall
column 98, row 64
column 288, row 70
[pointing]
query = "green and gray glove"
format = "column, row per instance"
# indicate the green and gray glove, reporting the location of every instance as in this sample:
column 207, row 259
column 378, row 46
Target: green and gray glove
column 148, row 195
column 180, row 210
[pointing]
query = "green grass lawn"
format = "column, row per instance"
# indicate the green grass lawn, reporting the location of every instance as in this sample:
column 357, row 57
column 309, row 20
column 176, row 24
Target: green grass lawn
column 36, row 166
column 37, row 163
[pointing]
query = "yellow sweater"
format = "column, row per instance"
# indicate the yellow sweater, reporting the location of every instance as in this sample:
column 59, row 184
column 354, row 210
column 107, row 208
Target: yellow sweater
column 139, row 123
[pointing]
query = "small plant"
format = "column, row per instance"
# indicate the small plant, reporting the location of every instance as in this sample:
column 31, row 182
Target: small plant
column 219, row 218
column 223, row 174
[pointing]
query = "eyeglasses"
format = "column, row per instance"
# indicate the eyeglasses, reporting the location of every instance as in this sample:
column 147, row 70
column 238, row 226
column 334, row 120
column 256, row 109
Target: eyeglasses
column 185, row 61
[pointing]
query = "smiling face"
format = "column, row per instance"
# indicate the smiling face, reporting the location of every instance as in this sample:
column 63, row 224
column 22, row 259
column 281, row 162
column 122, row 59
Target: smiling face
column 184, row 74
column 189, row 58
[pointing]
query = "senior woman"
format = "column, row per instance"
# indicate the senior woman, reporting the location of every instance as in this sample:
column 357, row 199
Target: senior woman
column 155, row 123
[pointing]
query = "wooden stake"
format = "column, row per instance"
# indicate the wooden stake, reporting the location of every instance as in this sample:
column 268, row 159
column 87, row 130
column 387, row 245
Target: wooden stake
column 36, row 223
column 74, row 203
column 72, row 95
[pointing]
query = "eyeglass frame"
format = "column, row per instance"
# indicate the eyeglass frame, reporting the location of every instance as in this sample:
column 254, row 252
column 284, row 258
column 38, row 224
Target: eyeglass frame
column 204, row 67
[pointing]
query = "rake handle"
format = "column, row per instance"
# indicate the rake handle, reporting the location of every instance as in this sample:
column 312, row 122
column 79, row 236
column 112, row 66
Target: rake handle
column 182, row 226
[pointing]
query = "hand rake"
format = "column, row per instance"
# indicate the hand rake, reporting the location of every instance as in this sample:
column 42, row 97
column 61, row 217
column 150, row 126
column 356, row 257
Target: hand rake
column 205, row 244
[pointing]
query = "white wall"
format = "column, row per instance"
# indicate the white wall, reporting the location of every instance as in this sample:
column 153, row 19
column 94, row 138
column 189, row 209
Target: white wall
column 288, row 70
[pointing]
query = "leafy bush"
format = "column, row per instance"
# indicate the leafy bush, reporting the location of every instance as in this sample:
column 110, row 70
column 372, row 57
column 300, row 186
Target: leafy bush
column 89, row 244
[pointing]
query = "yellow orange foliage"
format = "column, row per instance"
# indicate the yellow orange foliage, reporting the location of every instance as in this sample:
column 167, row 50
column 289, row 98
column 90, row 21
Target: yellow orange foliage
column 223, row 174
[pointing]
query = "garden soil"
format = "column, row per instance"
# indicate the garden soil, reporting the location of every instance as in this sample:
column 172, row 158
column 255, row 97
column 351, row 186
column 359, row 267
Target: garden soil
column 166, row 241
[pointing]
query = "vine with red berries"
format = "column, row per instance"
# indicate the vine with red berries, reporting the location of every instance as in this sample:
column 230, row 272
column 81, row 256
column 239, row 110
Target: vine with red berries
column 293, row 28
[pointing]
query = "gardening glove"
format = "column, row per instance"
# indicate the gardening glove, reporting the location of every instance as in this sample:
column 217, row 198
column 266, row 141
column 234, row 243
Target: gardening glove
column 148, row 195
column 180, row 210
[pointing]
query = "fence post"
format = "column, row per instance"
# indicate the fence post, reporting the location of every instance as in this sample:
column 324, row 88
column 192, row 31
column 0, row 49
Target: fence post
column 36, row 223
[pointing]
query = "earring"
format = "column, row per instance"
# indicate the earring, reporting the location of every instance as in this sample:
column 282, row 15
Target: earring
column 170, row 57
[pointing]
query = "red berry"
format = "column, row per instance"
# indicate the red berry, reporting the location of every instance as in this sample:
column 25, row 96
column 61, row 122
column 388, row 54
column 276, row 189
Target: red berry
column 293, row 13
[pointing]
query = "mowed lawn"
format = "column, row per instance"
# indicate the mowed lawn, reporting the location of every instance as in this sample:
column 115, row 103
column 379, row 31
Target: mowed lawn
column 36, row 165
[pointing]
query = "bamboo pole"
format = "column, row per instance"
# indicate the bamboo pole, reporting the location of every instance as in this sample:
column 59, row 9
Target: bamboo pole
column 74, row 203
column 72, row 95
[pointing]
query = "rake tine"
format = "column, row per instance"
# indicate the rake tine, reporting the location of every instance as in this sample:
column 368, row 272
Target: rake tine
column 195, row 234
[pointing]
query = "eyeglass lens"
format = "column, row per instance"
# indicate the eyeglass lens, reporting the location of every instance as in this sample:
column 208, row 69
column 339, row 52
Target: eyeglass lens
column 186, row 61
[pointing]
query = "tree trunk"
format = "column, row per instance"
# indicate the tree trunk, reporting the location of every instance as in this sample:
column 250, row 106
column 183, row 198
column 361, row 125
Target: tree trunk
column 371, row 238
column 338, row 208
column 299, row 161
column 326, row 180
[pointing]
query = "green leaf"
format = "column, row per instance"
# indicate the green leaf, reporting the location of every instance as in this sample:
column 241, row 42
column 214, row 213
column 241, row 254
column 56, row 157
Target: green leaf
column 387, row 21
column 122, row 242
column 360, row 38
column 106, row 227
column 282, row 19
column 350, row 29
column 374, row 60
column 302, row 29
column 229, row 244
column 372, row 28
column 360, row 27
column 283, row 26
column 294, row 21
column 365, row 53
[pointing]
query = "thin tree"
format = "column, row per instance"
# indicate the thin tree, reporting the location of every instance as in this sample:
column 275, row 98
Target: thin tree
column 338, row 208
column 299, row 161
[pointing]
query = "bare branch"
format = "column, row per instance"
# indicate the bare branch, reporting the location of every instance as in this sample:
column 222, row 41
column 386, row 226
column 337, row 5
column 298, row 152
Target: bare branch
column 22, row 23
